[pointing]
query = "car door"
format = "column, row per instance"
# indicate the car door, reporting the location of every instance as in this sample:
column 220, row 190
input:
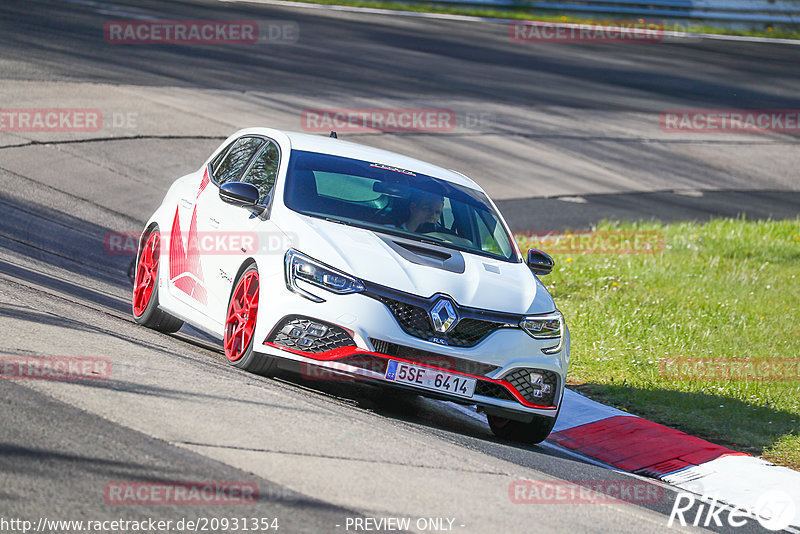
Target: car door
column 195, row 229
column 239, row 232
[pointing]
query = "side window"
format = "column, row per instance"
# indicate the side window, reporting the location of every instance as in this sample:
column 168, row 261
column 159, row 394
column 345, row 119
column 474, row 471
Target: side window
column 237, row 159
column 447, row 215
column 263, row 171
column 217, row 160
column 492, row 236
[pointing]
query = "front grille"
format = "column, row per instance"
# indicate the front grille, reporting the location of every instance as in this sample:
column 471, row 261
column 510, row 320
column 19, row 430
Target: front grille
column 309, row 335
column 469, row 331
column 543, row 394
column 415, row 321
column 424, row 357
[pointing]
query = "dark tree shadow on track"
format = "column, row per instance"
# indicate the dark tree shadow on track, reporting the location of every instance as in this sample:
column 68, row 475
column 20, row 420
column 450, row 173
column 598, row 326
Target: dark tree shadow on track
column 61, row 240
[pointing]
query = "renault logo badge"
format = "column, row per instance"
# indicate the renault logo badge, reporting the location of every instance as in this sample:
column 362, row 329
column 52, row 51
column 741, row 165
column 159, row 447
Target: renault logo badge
column 443, row 314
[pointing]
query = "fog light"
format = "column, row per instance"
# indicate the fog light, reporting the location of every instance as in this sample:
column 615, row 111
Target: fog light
column 305, row 342
column 316, row 330
column 292, row 331
column 537, row 380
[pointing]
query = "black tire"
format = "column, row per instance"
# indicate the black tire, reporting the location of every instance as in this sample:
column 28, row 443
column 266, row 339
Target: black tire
column 531, row 433
column 534, row 432
column 248, row 359
column 152, row 316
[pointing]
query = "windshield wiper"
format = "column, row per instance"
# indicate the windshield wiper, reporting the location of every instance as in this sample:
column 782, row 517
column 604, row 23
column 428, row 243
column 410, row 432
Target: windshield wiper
column 329, row 219
column 432, row 242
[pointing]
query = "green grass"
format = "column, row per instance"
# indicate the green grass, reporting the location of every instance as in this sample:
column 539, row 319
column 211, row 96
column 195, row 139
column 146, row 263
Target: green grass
column 723, row 290
column 526, row 14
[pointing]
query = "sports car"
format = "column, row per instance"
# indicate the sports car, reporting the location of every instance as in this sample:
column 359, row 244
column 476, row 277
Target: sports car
column 311, row 253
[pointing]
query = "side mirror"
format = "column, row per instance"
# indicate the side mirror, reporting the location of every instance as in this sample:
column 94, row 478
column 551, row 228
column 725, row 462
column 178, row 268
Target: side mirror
column 239, row 194
column 539, row 262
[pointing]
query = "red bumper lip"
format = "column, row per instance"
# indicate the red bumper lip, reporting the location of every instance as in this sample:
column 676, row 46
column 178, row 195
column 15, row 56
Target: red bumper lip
column 344, row 352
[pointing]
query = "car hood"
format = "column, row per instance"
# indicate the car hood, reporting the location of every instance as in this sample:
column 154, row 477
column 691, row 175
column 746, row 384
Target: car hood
column 485, row 283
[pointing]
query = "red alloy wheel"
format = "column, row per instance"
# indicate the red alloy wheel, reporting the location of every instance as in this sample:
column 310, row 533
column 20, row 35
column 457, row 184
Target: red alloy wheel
column 146, row 274
column 241, row 319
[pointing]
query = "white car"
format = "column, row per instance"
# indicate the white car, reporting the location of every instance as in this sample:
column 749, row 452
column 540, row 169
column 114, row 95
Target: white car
column 310, row 253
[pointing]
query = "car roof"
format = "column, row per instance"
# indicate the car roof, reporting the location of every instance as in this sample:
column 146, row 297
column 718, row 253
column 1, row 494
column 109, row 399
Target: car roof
column 339, row 147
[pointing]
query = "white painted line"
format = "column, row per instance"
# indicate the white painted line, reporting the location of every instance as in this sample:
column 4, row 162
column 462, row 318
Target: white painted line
column 745, row 38
column 689, row 193
column 575, row 199
column 735, row 481
column 469, row 18
column 103, row 9
column 577, row 410
column 372, row 10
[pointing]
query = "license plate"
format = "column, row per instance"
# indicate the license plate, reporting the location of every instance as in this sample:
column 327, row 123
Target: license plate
column 433, row 379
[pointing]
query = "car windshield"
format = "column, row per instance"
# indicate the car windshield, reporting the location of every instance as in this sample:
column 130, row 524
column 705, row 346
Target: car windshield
column 396, row 201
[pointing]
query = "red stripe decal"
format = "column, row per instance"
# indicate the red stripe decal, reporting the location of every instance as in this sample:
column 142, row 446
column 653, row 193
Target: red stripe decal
column 183, row 262
column 203, row 184
column 176, row 252
column 639, row 445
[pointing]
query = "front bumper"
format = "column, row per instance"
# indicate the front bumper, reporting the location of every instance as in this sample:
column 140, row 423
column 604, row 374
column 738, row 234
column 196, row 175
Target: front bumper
column 375, row 334
column 508, row 390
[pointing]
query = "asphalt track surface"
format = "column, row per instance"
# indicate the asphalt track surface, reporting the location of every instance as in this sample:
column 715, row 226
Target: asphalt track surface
column 565, row 135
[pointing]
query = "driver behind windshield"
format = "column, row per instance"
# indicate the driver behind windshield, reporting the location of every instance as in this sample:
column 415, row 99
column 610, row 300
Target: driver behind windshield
column 423, row 209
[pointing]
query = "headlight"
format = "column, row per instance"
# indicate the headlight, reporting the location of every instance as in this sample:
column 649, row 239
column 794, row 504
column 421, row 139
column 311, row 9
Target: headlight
column 549, row 326
column 299, row 267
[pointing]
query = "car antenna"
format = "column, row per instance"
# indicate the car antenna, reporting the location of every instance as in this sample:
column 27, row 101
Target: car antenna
column 333, row 134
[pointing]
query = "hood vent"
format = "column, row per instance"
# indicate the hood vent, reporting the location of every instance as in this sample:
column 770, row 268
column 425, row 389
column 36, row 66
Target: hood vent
column 429, row 252
column 425, row 254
